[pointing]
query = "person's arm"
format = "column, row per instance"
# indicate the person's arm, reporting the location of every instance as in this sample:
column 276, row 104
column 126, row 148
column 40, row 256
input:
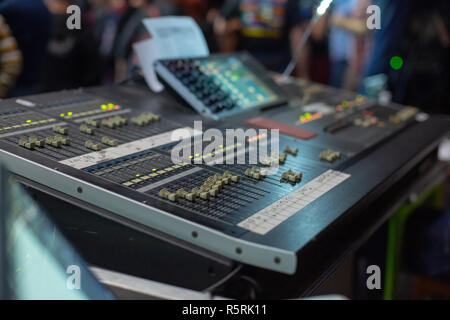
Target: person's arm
column 357, row 22
column 226, row 26
column 320, row 28
column 353, row 25
column 10, row 59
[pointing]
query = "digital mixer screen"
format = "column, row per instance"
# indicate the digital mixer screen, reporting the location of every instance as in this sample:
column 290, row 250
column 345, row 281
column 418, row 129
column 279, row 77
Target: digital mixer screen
column 221, row 85
column 232, row 76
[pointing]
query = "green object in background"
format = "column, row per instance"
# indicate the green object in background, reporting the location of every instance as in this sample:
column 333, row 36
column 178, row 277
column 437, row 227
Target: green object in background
column 396, row 63
column 396, row 227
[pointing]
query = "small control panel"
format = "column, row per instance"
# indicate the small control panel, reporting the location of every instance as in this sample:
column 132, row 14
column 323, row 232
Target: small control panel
column 221, row 85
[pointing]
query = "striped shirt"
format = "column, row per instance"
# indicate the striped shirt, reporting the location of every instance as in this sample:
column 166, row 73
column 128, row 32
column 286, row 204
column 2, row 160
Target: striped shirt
column 10, row 58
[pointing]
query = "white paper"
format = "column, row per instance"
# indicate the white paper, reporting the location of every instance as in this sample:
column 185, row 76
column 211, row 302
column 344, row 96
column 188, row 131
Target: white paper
column 172, row 37
column 177, row 37
column 147, row 52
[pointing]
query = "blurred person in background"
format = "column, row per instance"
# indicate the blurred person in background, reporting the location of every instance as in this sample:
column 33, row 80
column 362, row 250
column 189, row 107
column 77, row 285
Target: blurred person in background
column 130, row 30
column 349, row 41
column 72, row 56
column 104, row 17
column 204, row 12
column 10, row 59
column 268, row 29
column 207, row 24
column 30, row 23
column 319, row 62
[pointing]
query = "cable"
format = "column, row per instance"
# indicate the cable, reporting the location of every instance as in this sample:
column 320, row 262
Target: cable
column 223, row 280
column 320, row 11
column 299, row 49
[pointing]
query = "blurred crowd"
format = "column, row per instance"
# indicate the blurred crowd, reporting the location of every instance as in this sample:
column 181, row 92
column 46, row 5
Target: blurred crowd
column 408, row 55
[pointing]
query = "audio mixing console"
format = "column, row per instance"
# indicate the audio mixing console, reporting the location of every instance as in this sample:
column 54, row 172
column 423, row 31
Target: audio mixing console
column 111, row 147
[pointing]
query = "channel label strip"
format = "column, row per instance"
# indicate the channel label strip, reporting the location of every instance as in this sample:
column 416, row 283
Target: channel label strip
column 93, row 158
column 270, row 217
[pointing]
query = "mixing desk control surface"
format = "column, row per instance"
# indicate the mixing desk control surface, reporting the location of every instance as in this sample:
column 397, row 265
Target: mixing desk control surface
column 221, row 85
column 114, row 148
